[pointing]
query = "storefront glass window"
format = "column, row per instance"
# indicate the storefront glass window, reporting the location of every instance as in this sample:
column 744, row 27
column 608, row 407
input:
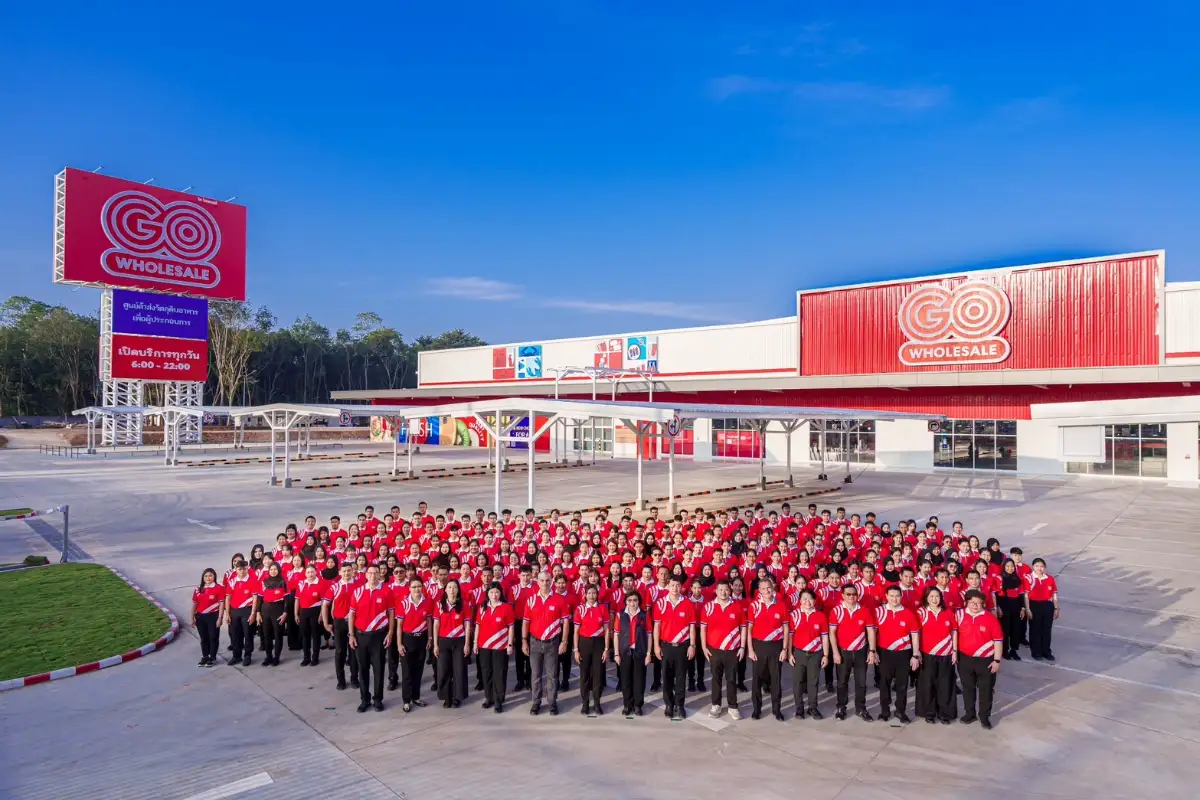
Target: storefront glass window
column 1129, row 450
column 977, row 444
column 855, row 437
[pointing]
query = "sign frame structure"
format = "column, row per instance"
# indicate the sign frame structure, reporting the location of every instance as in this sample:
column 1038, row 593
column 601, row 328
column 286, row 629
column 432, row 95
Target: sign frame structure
column 146, row 238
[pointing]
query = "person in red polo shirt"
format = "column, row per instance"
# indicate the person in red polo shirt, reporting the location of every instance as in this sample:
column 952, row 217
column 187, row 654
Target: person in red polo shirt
column 980, row 651
column 899, row 645
column 935, row 682
column 370, row 620
column 452, row 624
column 723, row 637
column 241, row 606
column 310, row 595
column 207, row 601
column 334, row 617
column 852, row 640
column 810, row 652
column 674, row 644
column 273, row 614
column 591, row 648
column 414, row 613
column 1041, row 607
column 767, row 626
column 545, row 615
column 494, row 643
column 519, row 594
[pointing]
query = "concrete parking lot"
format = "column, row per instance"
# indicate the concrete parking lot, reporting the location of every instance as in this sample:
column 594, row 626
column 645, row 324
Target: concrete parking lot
column 1118, row 715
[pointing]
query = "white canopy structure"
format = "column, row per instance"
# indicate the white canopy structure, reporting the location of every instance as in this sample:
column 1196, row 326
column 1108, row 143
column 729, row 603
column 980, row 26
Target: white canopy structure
column 642, row 418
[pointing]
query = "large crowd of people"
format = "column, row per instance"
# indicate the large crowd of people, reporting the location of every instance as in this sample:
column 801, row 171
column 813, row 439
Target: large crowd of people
column 762, row 594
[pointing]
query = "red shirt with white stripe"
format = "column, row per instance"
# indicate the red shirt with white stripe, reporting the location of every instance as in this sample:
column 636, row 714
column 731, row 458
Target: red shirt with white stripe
column 274, row 595
column 723, row 624
column 338, row 594
column 977, row 633
column 809, row 629
column 311, row 593
column 414, row 617
column 494, row 622
column 371, row 607
column 849, row 626
column 590, row 619
column 675, row 619
column 546, row 615
column 453, row 624
column 937, row 631
column 242, row 591
column 767, row 620
column 896, row 626
column 208, row 600
column 1041, row 589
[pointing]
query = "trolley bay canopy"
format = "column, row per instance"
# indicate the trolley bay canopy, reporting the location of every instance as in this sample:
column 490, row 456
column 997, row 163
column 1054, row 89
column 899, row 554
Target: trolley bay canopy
column 500, row 417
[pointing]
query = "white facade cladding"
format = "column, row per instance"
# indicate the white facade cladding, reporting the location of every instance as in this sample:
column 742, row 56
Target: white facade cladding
column 1183, row 323
column 747, row 348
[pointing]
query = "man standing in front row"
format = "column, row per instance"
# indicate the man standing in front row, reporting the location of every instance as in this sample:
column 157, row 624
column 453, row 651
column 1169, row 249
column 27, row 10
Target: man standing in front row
column 980, row 649
column 545, row 615
column 371, row 614
column 898, row 635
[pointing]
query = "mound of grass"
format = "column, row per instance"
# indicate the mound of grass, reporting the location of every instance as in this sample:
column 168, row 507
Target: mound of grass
column 70, row 614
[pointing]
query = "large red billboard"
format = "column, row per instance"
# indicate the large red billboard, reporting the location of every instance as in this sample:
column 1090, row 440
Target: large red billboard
column 157, row 358
column 1093, row 313
column 116, row 233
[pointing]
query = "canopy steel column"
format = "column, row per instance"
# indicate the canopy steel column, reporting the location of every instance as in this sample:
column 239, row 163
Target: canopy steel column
column 287, row 461
column 532, row 445
column 396, row 450
column 846, row 448
column 499, row 473
column 641, row 430
column 821, row 476
column 671, row 504
column 408, row 439
column 789, row 428
column 271, row 424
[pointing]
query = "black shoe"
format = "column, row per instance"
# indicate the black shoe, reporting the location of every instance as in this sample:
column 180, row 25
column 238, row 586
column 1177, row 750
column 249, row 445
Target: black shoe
column 841, row 714
column 967, row 719
column 535, row 709
column 931, row 720
column 379, row 705
column 499, row 708
column 419, row 703
column 247, row 661
column 305, row 662
column 598, row 711
column 407, row 707
column 656, row 686
column 1051, row 659
column 445, row 704
column 691, row 686
column 700, row 687
column 815, row 713
column 1037, row 658
column 985, row 723
column 362, row 707
column 742, row 687
column 487, row 704
column 829, row 688
column 354, row 683
column 903, row 718
column 639, row 711
column 1016, row 656
column 865, row 716
column 202, row 663
column 756, row 714
column 945, row 720
column 456, row 703
column 433, row 686
column 341, row 686
column 884, row 716
column 554, row 709
column 799, row 712
column 626, row 712
column 584, row 709
column 677, row 716
column 668, row 711
column 314, row 662
column 479, row 686
column 779, row 716
column 393, row 685
column 230, row 649
column 520, row 687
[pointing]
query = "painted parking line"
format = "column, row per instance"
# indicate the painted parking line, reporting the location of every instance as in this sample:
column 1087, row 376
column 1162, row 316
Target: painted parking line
column 1115, row 679
column 701, row 718
column 235, row 788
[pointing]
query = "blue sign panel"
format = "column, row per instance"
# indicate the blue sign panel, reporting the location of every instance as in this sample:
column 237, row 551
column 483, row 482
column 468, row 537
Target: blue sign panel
column 147, row 314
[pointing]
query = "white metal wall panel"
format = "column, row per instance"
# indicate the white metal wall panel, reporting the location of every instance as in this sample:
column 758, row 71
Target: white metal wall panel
column 1183, row 321
column 770, row 345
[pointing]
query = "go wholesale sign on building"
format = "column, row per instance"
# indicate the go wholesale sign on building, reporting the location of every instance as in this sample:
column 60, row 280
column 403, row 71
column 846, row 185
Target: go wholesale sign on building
column 115, row 233
column 1078, row 314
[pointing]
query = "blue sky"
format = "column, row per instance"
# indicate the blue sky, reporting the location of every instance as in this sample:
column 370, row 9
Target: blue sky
column 540, row 168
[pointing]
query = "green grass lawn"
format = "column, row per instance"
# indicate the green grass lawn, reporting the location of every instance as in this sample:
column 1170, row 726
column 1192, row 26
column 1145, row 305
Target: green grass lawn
column 69, row 614
column 12, row 512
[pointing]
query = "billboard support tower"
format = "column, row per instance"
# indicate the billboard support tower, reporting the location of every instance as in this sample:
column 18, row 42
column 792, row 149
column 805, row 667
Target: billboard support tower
column 117, row 429
column 186, row 394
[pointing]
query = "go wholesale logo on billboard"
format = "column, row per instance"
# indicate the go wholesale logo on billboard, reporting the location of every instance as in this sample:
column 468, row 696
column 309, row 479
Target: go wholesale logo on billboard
column 163, row 242
column 955, row 326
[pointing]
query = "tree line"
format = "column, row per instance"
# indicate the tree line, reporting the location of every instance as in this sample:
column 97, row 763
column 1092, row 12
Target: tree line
column 49, row 357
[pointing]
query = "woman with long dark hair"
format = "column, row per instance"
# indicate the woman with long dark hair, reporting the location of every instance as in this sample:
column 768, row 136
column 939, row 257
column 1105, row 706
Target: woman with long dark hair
column 936, row 699
column 272, row 617
column 451, row 645
column 207, row 600
column 310, row 594
column 1010, row 603
column 256, row 556
column 494, row 643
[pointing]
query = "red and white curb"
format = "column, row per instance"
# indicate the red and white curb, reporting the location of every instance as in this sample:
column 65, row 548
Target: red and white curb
column 111, row 661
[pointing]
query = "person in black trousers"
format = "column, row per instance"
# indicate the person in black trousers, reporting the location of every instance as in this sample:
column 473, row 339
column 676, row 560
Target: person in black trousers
column 674, row 655
column 413, row 631
column 591, row 648
column 370, row 644
column 980, row 645
column 293, row 623
column 206, row 616
column 520, row 593
column 936, row 700
column 767, row 656
column 632, row 653
column 451, row 646
column 241, row 613
column 310, row 617
column 273, row 615
column 1041, row 607
column 564, row 658
column 340, row 593
column 494, row 644
column 852, row 663
column 695, row 666
column 1010, row 605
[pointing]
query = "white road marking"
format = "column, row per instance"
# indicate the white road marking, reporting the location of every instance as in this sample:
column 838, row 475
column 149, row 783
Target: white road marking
column 204, row 525
column 701, row 718
column 1115, row 679
column 1036, row 528
column 1140, row 642
column 235, row 788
